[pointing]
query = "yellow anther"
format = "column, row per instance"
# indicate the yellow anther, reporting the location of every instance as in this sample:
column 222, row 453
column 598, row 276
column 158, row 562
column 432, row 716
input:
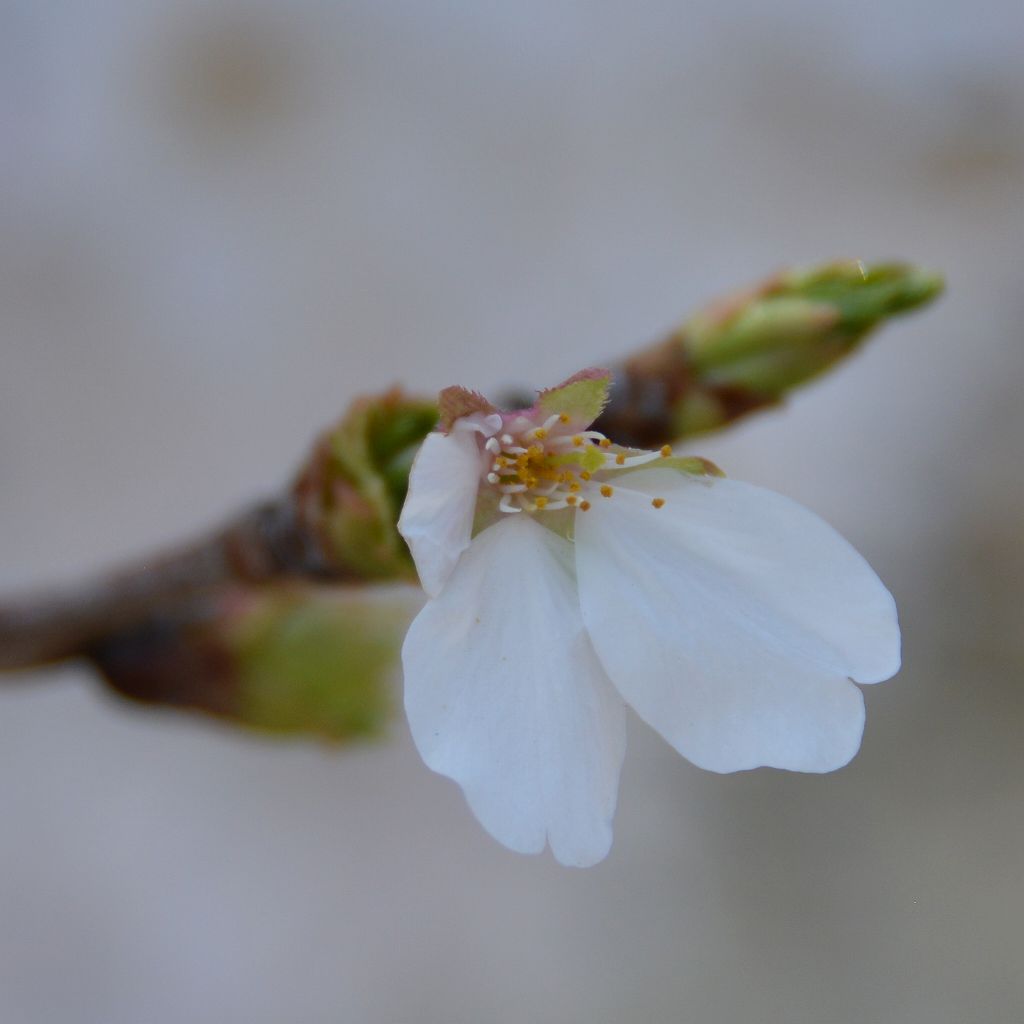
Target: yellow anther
column 577, row 440
column 666, row 451
column 571, row 499
column 620, row 459
column 606, row 491
column 584, row 506
column 657, row 502
column 605, row 443
column 540, row 502
column 574, row 486
column 540, row 433
column 563, row 417
column 584, row 475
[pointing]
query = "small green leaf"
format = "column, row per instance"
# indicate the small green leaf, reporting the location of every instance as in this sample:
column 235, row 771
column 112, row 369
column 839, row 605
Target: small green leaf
column 582, row 397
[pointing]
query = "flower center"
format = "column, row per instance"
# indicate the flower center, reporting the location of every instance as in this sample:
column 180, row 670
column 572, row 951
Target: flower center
column 549, row 467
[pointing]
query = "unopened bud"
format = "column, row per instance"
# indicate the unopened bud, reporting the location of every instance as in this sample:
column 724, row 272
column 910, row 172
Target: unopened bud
column 799, row 323
column 748, row 350
column 350, row 492
column 294, row 659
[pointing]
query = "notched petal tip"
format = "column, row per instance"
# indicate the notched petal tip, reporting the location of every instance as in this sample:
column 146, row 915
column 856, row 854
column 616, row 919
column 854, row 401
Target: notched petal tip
column 883, row 655
column 504, row 694
column 814, row 733
column 583, row 857
column 731, row 620
column 571, row 851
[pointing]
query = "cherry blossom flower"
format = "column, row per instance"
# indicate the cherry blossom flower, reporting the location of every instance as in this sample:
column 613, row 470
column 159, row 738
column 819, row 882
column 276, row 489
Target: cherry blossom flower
column 569, row 576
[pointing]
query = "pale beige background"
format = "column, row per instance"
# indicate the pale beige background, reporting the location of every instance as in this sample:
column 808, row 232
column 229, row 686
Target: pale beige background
column 219, row 221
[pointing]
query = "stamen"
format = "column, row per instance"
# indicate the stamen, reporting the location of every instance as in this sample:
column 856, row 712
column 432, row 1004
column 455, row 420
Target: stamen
column 536, row 469
column 580, row 439
column 666, row 451
column 640, row 460
column 657, row 502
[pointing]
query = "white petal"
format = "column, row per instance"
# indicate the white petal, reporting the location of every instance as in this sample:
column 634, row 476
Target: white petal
column 437, row 518
column 789, row 561
column 707, row 627
column 505, row 695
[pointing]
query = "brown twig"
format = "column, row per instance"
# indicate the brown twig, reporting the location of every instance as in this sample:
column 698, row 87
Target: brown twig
column 266, row 542
column 152, row 628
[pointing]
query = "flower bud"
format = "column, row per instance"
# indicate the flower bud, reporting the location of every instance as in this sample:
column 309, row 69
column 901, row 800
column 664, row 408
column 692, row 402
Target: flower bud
column 349, row 493
column 748, row 350
column 799, row 323
column 294, row 659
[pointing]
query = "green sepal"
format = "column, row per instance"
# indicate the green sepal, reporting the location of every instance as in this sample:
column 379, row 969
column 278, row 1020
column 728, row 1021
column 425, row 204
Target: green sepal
column 582, row 397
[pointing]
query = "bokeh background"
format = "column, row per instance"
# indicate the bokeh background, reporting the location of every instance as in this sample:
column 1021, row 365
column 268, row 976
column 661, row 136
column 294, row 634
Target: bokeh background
column 219, row 221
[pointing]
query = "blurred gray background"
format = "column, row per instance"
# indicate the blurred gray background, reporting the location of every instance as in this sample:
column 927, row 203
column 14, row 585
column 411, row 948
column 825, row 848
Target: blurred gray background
column 219, row 221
